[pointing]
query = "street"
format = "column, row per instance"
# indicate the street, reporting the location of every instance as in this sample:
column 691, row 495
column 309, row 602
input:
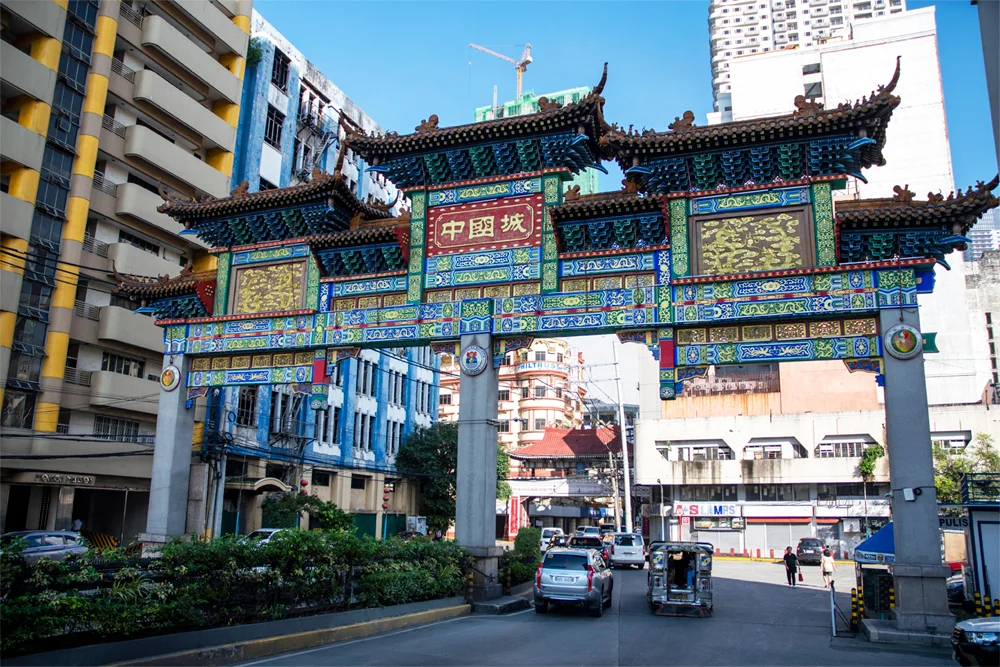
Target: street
column 758, row 620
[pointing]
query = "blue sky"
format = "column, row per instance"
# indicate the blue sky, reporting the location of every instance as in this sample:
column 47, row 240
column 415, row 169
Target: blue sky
column 404, row 61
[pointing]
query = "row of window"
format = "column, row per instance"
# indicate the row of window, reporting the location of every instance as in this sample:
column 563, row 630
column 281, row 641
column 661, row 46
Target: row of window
column 846, row 449
column 772, row 492
column 396, row 383
column 393, row 437
column 328, row 425
column 422, row 396
column 364, row 381
column 364, row 431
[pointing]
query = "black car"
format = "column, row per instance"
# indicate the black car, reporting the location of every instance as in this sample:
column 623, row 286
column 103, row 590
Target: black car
column 975, row 641
column 559, row 541
column 810, row 550
column 591, row 542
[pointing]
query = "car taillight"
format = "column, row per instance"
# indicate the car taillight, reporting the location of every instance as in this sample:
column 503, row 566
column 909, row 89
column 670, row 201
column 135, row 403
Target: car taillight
column 590, row 578
column 538, row 577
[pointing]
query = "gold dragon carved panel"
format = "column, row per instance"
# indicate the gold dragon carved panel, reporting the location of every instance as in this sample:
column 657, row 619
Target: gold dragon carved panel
column 736, row 244
column 270, row 289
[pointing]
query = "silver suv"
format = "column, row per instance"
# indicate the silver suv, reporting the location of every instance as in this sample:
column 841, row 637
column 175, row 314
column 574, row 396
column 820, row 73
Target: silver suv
column 573, row 576
column 54, row 544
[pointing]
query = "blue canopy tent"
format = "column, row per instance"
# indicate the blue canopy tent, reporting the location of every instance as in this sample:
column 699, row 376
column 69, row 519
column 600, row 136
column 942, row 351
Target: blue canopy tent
column 879, row 549
column 872, row 561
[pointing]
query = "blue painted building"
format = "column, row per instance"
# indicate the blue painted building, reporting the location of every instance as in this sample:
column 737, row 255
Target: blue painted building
column 293, row 122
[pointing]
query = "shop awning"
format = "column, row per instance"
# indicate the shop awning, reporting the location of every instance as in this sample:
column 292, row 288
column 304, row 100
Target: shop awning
column 880, row 548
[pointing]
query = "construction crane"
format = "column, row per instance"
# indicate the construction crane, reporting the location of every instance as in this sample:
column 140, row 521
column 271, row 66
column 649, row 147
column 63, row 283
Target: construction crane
column 519, row 65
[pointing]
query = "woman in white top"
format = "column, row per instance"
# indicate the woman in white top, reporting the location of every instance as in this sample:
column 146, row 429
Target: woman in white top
column 828, row 567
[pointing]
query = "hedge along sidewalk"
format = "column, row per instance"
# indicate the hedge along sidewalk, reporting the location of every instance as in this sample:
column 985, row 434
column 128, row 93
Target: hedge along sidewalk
column 227, row 645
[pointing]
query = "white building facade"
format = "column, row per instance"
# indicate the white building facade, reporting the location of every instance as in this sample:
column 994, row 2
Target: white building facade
column 746, row 27
column 763, row 482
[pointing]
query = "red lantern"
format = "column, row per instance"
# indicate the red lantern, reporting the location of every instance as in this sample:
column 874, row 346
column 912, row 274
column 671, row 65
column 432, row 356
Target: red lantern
column 304, row 483
column 385, row 498
column 385, row 506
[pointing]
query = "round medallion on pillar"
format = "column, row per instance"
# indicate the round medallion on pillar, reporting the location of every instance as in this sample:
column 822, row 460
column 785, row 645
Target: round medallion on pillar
column 473, row 360
column 170, row 378
column 903, row 341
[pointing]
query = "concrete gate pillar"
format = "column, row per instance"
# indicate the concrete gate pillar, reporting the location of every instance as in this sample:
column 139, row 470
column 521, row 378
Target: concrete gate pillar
column 168, row 488
column 921, row 593
column 475, row 503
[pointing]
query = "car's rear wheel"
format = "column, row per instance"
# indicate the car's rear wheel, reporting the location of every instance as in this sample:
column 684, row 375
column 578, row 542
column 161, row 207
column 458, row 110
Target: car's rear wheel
column 541, row 607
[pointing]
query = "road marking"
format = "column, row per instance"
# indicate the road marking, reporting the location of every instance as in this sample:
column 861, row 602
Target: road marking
column 354, row 641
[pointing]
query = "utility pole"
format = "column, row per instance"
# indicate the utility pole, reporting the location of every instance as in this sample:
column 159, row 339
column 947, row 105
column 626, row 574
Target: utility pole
column 621, row 430
column 614, row 485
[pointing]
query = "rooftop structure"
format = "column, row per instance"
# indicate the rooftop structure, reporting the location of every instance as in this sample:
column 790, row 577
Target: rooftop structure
column 744, row 27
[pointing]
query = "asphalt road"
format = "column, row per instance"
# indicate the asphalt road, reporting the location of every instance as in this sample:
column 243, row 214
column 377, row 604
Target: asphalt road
column 758, row 620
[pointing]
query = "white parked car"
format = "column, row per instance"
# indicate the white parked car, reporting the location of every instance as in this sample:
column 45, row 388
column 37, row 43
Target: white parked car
column 264, row 535
column 547, row 535
column 628, row 550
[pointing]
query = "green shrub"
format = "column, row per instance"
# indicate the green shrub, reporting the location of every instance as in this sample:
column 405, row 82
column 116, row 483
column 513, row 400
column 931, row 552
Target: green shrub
column 527, row 541
column 226, row 581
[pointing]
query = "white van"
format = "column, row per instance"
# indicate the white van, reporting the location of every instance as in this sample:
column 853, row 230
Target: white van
column 547, row 535
column 628, row 550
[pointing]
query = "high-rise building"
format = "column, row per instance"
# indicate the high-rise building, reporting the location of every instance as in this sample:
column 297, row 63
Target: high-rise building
column 744, row 27
column 528, row 104
column 984, row 236
column 291, row 126
column 105, row 104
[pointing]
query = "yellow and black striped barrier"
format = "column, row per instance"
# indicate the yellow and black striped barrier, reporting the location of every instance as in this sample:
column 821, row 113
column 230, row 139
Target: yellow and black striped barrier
column 854, row 610
column 892, row 596
column 861, row 603
column 978, row 600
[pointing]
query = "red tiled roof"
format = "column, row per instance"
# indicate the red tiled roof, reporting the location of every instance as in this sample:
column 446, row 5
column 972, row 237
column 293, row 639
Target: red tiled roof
column 564, row 443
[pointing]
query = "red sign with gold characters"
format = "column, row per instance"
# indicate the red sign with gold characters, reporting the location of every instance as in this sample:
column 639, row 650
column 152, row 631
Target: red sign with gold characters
column 491, row 225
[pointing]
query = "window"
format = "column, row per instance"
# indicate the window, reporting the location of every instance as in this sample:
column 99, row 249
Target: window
column 279, row 71
column 813, row 90
column 762, row 452
column 503, row 426
column 539, row 423
column 25, row 368
column 276, row 470
column 113, row 428
column 504, row 395
column 320, row 478
column 246, row 407
column 540, row 355
column 777, row 492
column 29, row 332
column 266, row 185
column 358, row 482
column 18, row 410
column 841, row 449
column 118, row 363
column 136, row 242
column 540, row 390
column 444, row 399
column 559, row 357
column 272, row 129
column 285, row 409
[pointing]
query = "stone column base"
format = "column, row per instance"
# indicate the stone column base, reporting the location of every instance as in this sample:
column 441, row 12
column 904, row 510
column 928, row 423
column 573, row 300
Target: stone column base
column 152, row 543
column 485, row 576
column 922, row 599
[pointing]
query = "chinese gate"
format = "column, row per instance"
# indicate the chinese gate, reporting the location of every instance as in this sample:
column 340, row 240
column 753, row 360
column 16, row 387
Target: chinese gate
column 723, row 247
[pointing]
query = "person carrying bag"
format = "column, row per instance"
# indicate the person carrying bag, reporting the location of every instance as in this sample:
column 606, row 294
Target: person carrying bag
column 828, row 566
column 791, row 566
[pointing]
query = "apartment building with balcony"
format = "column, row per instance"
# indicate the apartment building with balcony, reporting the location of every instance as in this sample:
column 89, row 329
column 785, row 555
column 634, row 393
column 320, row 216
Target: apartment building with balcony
column 294, row 121
column 105, row 104
column 541, row 387
column 740, row 28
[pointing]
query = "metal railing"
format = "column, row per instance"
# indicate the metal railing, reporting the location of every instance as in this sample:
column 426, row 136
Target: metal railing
column 112, row 125
column 104, row 185
column 980, row 487
column 130, row 15
column 99, row 248
column 84, row 309
column 76, row 376
column 122, row 70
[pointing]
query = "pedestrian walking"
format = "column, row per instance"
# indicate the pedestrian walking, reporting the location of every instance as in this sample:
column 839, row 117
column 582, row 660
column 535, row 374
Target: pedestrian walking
column 791, row 565
column 828, row 566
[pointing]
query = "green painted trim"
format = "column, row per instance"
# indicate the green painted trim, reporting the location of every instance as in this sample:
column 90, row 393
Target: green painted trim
column 551, row 185
column 222, row 284
column 312, row 283
column 418, row 224
column 680, row 263
column 826, row 241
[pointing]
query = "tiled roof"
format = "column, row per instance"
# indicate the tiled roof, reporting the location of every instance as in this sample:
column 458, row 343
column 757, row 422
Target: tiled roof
column 808, row 122
column 903, row 210
column 240, row 201
column 428, row 137
column 604, row 204
column 382, row 233
column 563, row 443
column 163, row 287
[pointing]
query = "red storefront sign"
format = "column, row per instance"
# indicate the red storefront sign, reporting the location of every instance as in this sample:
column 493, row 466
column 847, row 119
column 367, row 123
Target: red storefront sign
column 513, row 517
column 491, row 225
